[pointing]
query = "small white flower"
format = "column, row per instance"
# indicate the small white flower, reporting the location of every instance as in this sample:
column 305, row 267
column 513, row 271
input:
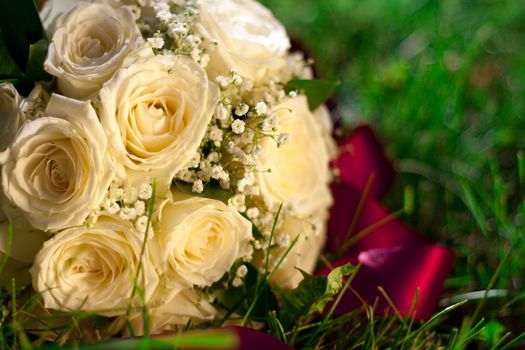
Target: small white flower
column 192, row 39
column 237, row 282
column 238, row 126
column 258, row 151
column 283, row 240
column 236, row 80
column 111, row 206
column 253, row 213
column 145, row 191
column 213, row 157
column 257, row 244
column 237, row 202
column 116, row 193
column 176, row 28
column 215, row 135
column 261, row 108
column 198, row 186
column 242, row 109
column 292, row 93
column 217, row 172
column 252, row 190
column 141, row 224
column 223, row 81
column 225, row 183
column 195, row 161
column 130, row 195
column 140, row 207
column 156, row 42
column 241, row 271
column 270, row 123
column 127, row 213
column 221, row 112
column 284, row 139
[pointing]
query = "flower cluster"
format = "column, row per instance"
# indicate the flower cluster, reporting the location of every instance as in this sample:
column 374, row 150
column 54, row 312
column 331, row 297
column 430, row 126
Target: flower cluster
column 160, row 105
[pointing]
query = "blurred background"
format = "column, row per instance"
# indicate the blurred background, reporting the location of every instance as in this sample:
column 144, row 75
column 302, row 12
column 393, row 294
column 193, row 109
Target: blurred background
column 443, row 84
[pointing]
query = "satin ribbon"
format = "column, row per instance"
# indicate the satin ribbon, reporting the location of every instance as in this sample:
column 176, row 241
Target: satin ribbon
column 391, row 255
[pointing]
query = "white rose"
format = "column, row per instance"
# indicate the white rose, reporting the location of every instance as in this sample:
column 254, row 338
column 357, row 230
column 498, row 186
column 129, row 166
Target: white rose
column 155, row 113
column 175, row 311
column 93, row 268
column 58, row 169
column 244, row 35
column 10, row 116
column 324, row 119
column 199, row 240
column 89, row 45
column 304, row 254
column 299, row 173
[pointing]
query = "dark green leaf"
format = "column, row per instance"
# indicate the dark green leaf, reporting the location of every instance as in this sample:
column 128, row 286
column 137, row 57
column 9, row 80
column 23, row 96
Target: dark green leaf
column 20, row 27
column 312, row 294
column 211, row 190
column 317, row 91
column 35, row 64
column 8, row 67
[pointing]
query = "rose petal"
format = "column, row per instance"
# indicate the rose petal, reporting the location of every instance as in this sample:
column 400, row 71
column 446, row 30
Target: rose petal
column 360, row 157
column 251, row 339
column 388, row 233
column 401, row 271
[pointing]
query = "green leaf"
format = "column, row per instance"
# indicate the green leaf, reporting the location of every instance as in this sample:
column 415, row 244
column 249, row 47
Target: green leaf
column 312, row 294
column 211, row 190
column 20, row 27
column 8, row 67
column 317, row 91
column 35, row 64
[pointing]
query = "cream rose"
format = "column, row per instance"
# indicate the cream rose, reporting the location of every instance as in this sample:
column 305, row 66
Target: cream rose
column 244, row 35
column 299, row 173
column 199, row 240
column 93, row 268
column 10, row 116
column 305, row 252
column 324, row 120
column 89, row 45
column 58, row 169
column 175, row 311
column 155, row 113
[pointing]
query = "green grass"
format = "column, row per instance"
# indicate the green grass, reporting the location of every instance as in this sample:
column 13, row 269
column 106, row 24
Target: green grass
column 443, row 83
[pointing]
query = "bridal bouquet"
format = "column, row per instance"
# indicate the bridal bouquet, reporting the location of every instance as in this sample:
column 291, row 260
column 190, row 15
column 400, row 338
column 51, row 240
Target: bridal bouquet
column 176, row 151
column 169, row 166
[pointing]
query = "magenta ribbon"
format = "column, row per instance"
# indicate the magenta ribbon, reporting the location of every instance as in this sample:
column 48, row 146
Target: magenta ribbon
column 390, row 254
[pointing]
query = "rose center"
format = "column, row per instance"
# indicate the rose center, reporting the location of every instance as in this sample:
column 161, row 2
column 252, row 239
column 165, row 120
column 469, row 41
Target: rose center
column 57, row 170
column 91, row 47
